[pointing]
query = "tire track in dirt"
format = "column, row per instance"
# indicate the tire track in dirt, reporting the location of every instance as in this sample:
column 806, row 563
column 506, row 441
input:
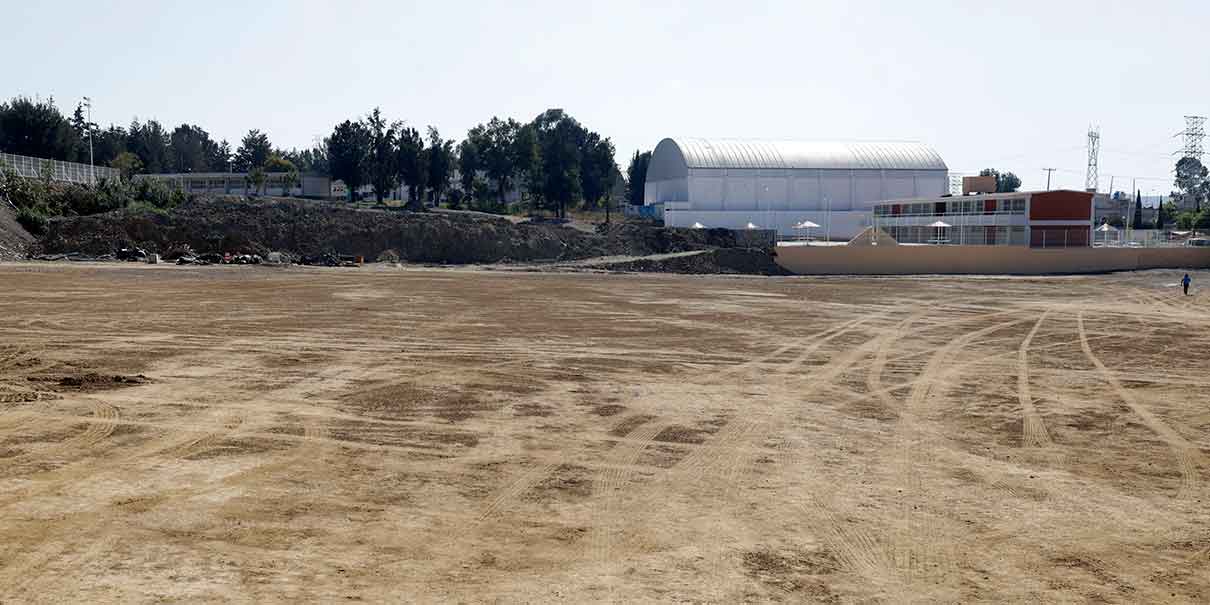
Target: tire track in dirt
column 717, row 466
column 878, row 364
column 714, row 454
column 1186, row 454
column 224, row 426
column 813, row 343
column 854, row 545
column 103, row 419
column 25, row 579
column 1033, row 431
column 180, row 443
column 620, row 467
column 514, row 489
column 1181, row 312
column 809, row 343
column 917, row 553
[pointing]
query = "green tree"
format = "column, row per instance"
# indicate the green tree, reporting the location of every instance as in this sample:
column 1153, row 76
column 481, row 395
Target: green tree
column 107, row 144
column 150, row 142
column 279, row 165
column 636, row 177
column 36, row 128
column 191, row 149
column 82, row 129
column 559, row 138
column 598, row 171
column 289, row 181
column 1006, row 182
column 1137, row 222
column 222, row 157
column 384, row 162
column 1193, row 183
column 253, row 152
column 313, row 161
column 128, row 164
column 527, row 158
column 440, row 160
column 504, row 153
column 256, row 178
column 469, row 163
column 413, row 166
column 349, row 155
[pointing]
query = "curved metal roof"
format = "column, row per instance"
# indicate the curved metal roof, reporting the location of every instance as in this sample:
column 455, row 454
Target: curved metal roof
column 751, row 153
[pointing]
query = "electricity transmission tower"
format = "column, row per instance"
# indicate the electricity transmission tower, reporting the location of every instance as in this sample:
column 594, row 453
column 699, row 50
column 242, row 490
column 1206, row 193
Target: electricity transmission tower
column 1194, row 132
column 1094, row 152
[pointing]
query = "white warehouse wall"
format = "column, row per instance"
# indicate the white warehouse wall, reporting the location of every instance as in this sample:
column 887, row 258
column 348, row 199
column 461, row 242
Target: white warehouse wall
column 724, row 183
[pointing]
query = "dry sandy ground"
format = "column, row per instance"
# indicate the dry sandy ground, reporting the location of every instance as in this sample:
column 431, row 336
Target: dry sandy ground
column 473, row 436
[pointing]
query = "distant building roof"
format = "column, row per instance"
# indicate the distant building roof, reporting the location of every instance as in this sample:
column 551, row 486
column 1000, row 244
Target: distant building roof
column 754, row 153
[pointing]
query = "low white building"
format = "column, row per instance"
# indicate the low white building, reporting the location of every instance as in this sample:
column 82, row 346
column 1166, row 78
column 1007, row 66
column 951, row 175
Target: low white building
column 732, row 183
column 239, row 183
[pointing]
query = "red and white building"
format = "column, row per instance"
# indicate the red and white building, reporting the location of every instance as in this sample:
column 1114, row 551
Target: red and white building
column 1039, row 219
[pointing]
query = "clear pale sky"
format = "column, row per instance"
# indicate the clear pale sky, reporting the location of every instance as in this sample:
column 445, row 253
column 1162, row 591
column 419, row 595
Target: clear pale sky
column 1012, row 85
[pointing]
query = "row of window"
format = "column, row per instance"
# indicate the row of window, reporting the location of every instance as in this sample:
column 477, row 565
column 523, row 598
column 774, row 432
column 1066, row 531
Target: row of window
column 968, row 236
column 961, row 206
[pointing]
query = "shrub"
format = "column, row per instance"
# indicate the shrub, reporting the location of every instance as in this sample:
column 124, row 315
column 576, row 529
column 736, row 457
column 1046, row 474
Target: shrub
column 145, row 206
column 22, row 192
column 34, row 221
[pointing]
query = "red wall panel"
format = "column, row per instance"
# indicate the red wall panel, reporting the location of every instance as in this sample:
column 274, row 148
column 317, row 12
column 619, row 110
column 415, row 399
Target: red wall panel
column 1061, row 205
column 1058, row 236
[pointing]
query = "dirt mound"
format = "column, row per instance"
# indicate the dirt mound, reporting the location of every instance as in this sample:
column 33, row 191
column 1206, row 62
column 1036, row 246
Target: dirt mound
column 90, row 381
column 242, row 226
column 93, row 380
column 14, row 239
column 644, row 238
column 721, row 261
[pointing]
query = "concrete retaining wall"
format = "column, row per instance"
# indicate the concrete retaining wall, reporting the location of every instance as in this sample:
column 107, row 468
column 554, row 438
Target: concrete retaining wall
column 906, row 260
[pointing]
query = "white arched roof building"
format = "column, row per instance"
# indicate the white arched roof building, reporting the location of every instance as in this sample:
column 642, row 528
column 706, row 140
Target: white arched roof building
column 776, row 184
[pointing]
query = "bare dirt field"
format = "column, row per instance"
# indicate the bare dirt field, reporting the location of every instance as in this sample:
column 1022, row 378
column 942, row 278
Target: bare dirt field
column 304, row 435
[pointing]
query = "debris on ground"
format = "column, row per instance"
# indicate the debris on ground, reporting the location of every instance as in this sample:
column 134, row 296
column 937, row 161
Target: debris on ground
column 14, row 239
column 721, row 261
column 310, row 228
column 235, row 230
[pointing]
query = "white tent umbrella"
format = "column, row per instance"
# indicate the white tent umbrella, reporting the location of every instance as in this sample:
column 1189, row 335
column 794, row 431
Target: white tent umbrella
column 698, row 226
column 1106, row 228
column 939, row 225
column 808, row 225
column 752, row 226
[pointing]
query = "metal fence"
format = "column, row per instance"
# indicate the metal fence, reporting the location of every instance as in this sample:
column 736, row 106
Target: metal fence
column 64, row 172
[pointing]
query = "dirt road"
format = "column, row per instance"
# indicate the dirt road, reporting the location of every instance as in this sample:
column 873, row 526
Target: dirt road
column 248, row 434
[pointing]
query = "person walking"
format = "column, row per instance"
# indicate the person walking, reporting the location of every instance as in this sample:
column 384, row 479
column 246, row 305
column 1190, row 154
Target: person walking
column 1185, row 283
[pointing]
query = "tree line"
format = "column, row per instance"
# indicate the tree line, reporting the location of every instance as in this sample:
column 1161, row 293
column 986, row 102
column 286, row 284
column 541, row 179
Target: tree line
column 37, row 128
column 554, row 159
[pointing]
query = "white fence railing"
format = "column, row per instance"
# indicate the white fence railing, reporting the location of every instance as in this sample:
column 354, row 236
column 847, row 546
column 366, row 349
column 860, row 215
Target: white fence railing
column 65, row 172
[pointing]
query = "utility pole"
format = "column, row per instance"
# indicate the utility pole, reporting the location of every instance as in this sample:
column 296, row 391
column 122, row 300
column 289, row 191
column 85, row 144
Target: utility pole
column 92, row 172
column 1049, row 171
